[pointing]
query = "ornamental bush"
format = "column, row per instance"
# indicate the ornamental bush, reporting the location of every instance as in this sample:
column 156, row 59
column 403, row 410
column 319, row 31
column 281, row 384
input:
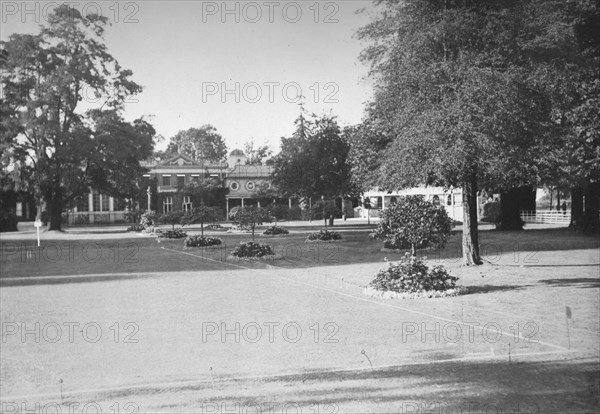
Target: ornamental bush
column 275, row 230
column 414, row 222
column 148, row 219
column 252, row 249
column 411, row 275
column 201, row 241
column 214, row 226
column 172, row 234
column 325, row 235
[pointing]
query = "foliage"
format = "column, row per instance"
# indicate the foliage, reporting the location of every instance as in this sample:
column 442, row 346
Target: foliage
column 214, row 226
column 256, row 154
column 460, row 99
column 135, row 227
column 415, row 222
column 172, row 218
column 325, row 210
column 490, row 212
column 278, row 211
column 202, row 143
column 324, row 235
column 411, row 275
column 201, row 241
column 54, row 149
column 252, row 249
column 275, row 230
column 249, row 217
column 200, row 215
column 172, row 234
column 148, row 219
column 134, row 216
column 313, row 160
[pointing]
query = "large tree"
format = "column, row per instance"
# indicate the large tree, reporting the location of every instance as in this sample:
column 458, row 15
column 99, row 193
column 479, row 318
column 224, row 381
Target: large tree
column 313, row 161
column 51, row 146
column 203, row 143
column 256, row 154
column 454, row 104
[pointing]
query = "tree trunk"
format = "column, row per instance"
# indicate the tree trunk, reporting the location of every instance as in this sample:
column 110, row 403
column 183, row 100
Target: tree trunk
column 54, row 205
column 510, row 217
column 576, row 208
column 331, row 217
column 470, row 236
column 591, row 219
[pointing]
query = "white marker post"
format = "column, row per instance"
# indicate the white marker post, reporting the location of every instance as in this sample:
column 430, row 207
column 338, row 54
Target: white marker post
column 37, row 225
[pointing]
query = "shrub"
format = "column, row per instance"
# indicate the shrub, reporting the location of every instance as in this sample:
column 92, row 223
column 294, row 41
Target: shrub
column 325, row 235
column 135, row 227
column 172, row 218
column 133, row 216
column 491, row 212
column 412, row 275
column 214, row 226
column 252, row 249
column 294, row 213
column 416, row 222
column 249, row 217
column 201, row 241
column 275, row 230
column 148, row 219
column 172, row 234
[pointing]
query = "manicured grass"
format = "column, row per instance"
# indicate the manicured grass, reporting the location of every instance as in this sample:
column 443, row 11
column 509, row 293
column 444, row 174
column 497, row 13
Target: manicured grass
column 141, row 254
column 175, row 367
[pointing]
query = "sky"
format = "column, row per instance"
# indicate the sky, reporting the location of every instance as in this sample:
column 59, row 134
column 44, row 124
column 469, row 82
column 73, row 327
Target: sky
column 238, row 65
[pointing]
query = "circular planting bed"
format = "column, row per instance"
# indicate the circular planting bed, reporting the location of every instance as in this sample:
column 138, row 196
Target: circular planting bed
column 202, row 242
column 252, row 251
column 324, row 236
column 411, row 278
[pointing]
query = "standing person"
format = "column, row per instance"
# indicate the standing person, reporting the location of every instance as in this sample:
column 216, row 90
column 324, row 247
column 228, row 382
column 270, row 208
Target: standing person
column 564, row 208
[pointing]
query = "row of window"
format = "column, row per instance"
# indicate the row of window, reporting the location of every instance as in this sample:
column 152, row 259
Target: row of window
column 377, row 202
column 168, row 204
column 180, row 179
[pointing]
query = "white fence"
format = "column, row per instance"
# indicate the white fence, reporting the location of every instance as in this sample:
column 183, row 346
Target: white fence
column 547, row 216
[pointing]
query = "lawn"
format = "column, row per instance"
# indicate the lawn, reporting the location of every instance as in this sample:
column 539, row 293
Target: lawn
column 182, row 333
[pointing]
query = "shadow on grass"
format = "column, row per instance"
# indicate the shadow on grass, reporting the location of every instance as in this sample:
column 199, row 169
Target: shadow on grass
column 582, row 282
column 445, row 386
column 11, row 282
column 493, row 288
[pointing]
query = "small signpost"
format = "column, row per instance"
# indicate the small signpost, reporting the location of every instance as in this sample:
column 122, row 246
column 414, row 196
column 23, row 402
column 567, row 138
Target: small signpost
column 38, row 224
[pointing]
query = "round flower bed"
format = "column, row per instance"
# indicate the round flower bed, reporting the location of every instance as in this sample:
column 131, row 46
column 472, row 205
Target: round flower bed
column 275, row 231
column 324, row 235
column 201, row 241
column 215, row 226
column 252, row 251
column 411, row 278
column 172, row 234
column 135, row 227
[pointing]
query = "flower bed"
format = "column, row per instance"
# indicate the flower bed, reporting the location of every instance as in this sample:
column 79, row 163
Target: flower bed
column 215, row 226
column 275, row 231
column 324, row 235
column 201, row 241
column 135, row 227
column 172, row 234
column 252, row 249
column 411, row 278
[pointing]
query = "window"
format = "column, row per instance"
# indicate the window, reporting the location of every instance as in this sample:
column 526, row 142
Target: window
column 187, row 203
column 449, row 200
column 180, row 180
column 19, row 209
column 104, row 199
column 96, row 201
column 379, row 202
column 167, row 204
column 436, row 200
column 195, row 177
column 234, row 186
column 166, row 180
column 250, row 186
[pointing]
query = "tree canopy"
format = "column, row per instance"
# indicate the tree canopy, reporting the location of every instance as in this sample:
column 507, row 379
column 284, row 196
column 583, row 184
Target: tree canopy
column 51, row 145
column 203, row 143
